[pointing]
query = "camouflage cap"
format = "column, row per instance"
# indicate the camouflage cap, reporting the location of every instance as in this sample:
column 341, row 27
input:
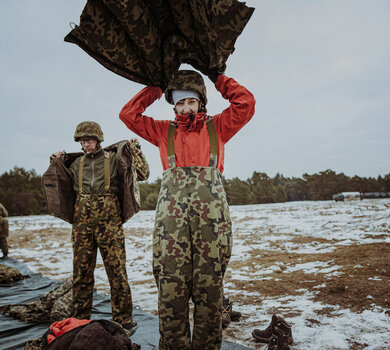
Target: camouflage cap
column 186, row 80
column 88, row 129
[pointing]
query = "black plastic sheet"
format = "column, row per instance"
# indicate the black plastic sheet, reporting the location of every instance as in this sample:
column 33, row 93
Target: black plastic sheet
column 15, row 333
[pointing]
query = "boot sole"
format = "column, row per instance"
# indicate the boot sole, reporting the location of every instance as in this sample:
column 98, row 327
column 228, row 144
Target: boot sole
column 260, row 339
column 266, row 340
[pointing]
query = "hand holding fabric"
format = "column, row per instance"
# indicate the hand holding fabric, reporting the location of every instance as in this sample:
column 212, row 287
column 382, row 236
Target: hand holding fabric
column 215, row 72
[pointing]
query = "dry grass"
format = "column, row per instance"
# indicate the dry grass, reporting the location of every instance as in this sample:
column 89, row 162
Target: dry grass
column 364, row 270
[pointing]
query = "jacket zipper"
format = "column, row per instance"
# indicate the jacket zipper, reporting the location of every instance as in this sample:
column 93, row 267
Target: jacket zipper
column 93, row 174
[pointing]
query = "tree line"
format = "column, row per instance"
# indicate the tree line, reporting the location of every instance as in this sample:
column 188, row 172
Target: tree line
column 21, row 191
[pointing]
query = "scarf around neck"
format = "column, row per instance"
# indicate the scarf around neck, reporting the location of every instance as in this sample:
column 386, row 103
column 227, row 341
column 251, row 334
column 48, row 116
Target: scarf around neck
column 191, row 122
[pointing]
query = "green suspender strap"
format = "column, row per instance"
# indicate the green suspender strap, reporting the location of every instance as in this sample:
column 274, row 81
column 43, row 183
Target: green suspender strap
column 171, row 146
column 81, row 166
column 213, row 142
column 106, row 171
column 171, row 140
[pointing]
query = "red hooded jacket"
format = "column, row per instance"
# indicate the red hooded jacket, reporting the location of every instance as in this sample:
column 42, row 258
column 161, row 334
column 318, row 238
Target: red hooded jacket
column 192, row 146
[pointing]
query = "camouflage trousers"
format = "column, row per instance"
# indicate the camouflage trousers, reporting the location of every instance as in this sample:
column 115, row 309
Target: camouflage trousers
column 97, row 224
column 4, row 245
column 191, row 249
column 3, row 235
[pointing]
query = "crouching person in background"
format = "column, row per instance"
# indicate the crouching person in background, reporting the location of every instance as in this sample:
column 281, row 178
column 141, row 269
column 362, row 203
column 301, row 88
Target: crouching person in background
column 97, row 191
column 3, row 230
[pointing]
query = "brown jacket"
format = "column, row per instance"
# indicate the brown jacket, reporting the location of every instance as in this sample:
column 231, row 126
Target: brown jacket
column 58, row 182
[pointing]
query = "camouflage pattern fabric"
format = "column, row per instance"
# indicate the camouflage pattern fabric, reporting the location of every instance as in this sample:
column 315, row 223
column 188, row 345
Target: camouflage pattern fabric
column 4, row 229
column 140, row 165
column 54, row 306
column 140, row 168
column 186, row 80
column 4, row 245
column 33, row 344
column 147, row 40
column 191, row 249
column 9, row 275
column 88, row 129
column 98, row 224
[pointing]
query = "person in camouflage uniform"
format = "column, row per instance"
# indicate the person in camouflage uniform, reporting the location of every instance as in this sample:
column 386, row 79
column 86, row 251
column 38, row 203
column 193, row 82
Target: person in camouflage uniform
column 97, row 221
column 3, row 230
column 192, row 238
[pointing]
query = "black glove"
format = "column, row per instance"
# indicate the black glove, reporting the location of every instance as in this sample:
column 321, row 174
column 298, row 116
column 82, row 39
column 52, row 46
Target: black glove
column 215, row 72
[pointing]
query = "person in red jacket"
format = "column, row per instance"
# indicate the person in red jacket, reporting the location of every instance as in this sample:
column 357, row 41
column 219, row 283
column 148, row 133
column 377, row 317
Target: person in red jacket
column 192, row 239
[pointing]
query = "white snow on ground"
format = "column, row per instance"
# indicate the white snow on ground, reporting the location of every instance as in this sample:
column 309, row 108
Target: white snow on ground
column 254, row 227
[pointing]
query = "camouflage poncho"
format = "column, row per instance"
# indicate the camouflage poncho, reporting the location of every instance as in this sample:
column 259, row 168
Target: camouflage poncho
column 147, row 40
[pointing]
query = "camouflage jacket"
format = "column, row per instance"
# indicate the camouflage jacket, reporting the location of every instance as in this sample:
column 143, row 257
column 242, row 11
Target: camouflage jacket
column 60, row 189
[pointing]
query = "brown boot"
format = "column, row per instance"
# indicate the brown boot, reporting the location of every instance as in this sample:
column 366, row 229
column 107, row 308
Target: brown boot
column 226, row 311
column 278, row 340
column 234, row 315
column 285, row 328
column 265, row 335
column 273, row 343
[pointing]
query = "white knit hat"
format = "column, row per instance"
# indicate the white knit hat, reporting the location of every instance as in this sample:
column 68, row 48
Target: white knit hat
column 178, row 95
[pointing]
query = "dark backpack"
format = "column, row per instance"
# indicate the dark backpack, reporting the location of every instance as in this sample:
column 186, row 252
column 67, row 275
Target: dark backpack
column 96, row 335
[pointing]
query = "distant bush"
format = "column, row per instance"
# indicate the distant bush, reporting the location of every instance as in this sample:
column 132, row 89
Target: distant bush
column 21, row 190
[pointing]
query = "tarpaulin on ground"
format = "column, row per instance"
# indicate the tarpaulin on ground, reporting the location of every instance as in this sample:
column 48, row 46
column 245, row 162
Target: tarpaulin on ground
column 15, row 333
column 147, row 40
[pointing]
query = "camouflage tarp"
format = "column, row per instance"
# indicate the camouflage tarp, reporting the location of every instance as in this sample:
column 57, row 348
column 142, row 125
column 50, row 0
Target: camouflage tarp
column 147, row 40
column 53, row 306
column 9, row 275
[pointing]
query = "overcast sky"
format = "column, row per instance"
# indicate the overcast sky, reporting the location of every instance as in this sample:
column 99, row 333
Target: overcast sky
column 320, row 72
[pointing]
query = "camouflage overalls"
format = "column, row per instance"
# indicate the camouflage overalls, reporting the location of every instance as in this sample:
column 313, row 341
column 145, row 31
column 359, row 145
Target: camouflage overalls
column 98, row 224
column 3, row 230
column 191, row 249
